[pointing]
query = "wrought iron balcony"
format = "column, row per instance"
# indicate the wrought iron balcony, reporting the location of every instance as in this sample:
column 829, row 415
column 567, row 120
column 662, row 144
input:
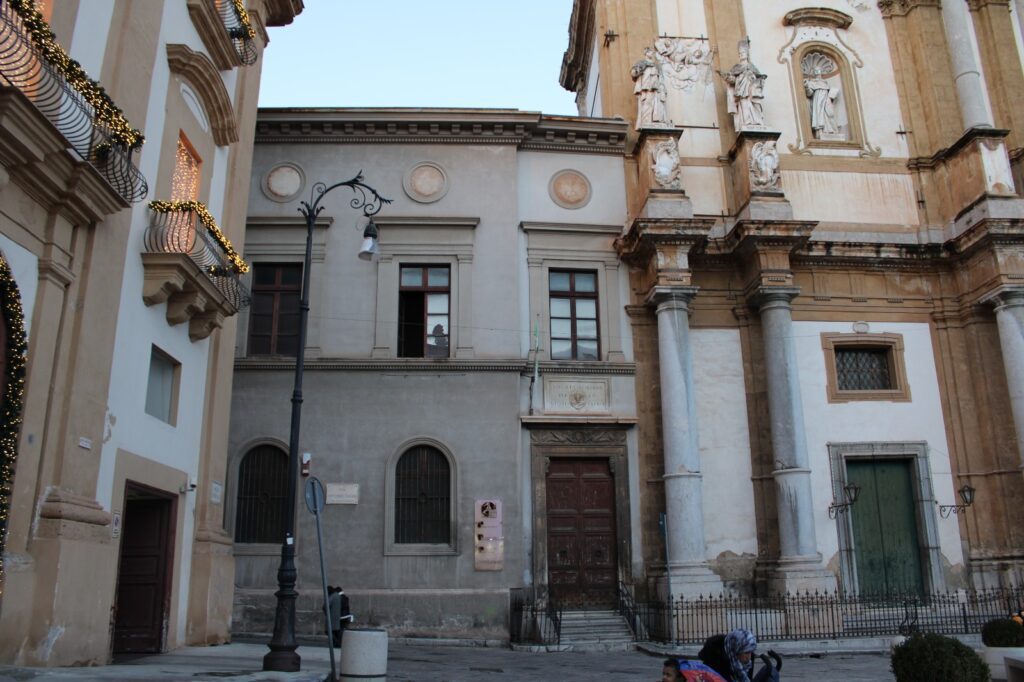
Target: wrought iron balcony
column 240, row 30
column 32, row 61
column 193, row 267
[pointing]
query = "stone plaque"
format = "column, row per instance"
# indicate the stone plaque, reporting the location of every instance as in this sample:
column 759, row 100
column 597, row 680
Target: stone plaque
column 216, row 492
column 488, row 536
column 576, row 396
column 342, row 493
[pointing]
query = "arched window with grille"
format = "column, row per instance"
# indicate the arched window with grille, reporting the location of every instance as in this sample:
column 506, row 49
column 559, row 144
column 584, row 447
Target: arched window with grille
column 262, row 488
column 423, row 498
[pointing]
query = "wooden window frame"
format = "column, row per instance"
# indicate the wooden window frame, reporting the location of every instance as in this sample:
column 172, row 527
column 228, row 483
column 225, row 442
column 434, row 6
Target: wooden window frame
column 172, row 411
column 424, row 290
column 277, row 289
column 573, row 296
column 892, row 343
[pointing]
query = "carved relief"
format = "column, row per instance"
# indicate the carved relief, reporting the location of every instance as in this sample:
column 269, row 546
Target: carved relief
column 764, row 167
column 665, row 163
column 578, row 437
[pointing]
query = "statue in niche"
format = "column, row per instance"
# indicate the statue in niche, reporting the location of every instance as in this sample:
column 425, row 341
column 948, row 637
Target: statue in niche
column 665, row 163
column 746, row 92
column 821, row 84
column 764, row 167
column 650, row 91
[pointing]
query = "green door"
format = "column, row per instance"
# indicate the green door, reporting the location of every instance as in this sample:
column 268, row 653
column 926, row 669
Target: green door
column 885, row 540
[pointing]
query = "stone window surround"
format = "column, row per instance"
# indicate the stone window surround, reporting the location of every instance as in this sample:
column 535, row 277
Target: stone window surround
column 897, row 366
column 924, row 506
column 543, row 255
column 391, row 548
column 425, row 241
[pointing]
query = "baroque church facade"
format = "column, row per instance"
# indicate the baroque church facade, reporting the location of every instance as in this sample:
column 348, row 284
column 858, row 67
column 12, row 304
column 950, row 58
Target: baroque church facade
column 751, row 322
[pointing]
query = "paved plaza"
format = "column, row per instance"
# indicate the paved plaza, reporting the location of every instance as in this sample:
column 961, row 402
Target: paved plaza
column 241, row 662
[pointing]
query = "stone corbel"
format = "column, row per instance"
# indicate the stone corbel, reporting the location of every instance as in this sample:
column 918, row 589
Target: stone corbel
column 175, row 279
column 663, row 248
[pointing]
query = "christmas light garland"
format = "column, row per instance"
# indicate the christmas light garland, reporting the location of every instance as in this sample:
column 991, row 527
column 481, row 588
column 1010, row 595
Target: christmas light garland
column 105, row 110
column 243, row 17
column 239, row 265
column 13, row 395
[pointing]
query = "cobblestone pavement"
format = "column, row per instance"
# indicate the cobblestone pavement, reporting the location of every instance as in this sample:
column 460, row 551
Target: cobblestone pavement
column 429, row 663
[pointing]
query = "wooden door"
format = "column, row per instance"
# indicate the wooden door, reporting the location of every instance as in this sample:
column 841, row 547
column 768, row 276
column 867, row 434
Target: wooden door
column 143, row 576
column 582, row 557
column 886, row 549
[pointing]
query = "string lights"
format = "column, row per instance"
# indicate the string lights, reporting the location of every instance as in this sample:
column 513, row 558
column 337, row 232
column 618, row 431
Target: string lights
column 13, row 395
column 239, row 265
column 243, row 17
column 103, row 106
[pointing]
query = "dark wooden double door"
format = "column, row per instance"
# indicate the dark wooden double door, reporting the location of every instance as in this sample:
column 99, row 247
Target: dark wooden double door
column 144, row 572
column 582, row 557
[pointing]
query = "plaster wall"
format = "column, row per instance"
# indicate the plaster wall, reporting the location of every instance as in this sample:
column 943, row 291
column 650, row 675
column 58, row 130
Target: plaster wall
column 874, row 198
column 720, row 390
column 25, row 267
column 607, row 205
column 921, row 419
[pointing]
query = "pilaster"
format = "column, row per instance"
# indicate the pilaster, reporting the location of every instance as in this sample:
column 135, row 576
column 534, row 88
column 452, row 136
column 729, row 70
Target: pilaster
column 1008, row 302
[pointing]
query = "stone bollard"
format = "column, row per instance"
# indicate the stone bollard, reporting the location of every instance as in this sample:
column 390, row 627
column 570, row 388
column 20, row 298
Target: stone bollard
column 364, row 655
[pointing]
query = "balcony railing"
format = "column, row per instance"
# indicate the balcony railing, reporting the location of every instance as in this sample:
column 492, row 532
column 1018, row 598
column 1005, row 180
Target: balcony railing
column 187, row 227
column 240, row 30
column 33, row 62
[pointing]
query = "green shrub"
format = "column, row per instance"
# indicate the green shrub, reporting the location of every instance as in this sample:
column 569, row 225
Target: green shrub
column 1002, row 632
column 928, row 658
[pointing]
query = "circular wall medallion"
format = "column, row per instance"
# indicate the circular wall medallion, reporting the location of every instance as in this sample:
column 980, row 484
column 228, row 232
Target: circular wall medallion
column 426, row 182
column 283, row 182
column 569, row 189
column 861, row 327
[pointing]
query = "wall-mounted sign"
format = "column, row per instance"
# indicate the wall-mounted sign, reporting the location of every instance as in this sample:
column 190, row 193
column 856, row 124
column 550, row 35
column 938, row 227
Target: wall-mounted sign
column 488, row 536
column 576, row 396
column 115, row 525
column 216, row 492
column 342, row 493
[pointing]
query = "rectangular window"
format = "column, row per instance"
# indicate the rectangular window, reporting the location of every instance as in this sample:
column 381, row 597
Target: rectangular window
column 424, row 300
column 187, row 172
column 274, row 314
column 865, row 366
column 573, row 308
column 162, row 388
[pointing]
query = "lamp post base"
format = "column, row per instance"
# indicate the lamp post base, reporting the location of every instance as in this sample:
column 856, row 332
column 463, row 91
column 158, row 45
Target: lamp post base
column 282, row 656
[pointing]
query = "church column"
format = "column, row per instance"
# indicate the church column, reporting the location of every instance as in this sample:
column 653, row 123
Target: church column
column 1009, row 306
column 689, row 574
column 975, row 109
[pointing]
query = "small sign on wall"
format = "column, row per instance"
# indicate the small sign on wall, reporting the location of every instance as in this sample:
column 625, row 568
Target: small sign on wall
column 488, row 536
column 342, row 493
column 216, row 492
column 115, row 525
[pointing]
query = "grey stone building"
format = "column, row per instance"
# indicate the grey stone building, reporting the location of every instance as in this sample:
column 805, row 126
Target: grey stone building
column 468, row 394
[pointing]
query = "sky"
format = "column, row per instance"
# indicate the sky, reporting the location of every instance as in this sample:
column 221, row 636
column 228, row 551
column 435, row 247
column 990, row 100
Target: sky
column 421, row 53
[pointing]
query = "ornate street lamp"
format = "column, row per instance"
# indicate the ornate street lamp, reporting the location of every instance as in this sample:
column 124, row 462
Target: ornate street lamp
column 966, row 495
column 851, row 492
column 282, row 656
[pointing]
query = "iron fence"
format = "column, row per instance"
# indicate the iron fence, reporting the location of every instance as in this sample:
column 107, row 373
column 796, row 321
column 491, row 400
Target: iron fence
column 23, row 66
column 533, row 622
column 823, row 616
column 238, row 31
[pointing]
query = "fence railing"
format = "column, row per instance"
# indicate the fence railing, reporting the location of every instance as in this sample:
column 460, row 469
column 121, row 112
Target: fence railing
column 182, row 231
column 239, row 30
column 824, row 616
column 531, row 622
column 24, row 66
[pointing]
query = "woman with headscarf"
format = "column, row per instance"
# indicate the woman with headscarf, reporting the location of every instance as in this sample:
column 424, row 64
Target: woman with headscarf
column 740, row 645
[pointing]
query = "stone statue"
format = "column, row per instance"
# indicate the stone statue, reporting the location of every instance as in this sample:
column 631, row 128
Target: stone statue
column 823, row 96
column 650, row 91
column 665, row 163
column 764, row 167
column 746, row 92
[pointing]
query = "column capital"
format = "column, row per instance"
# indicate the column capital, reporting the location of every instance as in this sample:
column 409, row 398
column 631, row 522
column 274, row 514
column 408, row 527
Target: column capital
column 1006, row 296
column 671, row 297
column 774, row 297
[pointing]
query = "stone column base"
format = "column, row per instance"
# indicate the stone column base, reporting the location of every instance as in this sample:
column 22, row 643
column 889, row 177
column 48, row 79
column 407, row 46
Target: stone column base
column 800, row 574
column 689, row 581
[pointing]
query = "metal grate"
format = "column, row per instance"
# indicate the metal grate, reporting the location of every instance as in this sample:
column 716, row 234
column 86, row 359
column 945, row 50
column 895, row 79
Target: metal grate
column 863, row 369
column 423, row 497
column 262, row 488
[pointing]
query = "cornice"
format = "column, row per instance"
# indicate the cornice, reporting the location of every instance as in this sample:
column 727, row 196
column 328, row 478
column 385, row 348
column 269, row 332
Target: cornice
column 526, row 130
column 578, row 55
column 817, row 16
column 466, row 223
column 202, row 74
column 924, row 162
column 392, row 365
column 900, row 8
column 282, row 12
column 530, row 226
column 320, row 222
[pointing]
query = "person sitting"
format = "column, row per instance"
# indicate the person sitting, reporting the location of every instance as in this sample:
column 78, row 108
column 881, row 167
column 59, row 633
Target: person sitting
column 731, row 655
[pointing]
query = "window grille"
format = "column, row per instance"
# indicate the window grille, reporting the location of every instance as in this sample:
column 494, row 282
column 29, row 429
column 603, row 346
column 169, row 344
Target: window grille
column 262, row 488
column 863, row 369
column 423, row 497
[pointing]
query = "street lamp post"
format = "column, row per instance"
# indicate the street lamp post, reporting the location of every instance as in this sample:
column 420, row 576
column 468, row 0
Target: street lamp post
column 282, row 656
